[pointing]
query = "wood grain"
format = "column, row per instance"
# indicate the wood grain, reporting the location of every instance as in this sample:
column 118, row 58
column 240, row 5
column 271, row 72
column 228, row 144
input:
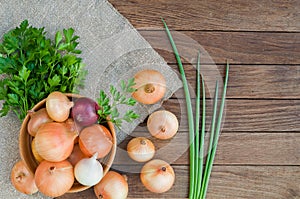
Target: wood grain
column 245, row 182
column 249, row 81
column 237, row 15
column 233, row 149
column 236, row 47
column 258, row 152
column 245, row 115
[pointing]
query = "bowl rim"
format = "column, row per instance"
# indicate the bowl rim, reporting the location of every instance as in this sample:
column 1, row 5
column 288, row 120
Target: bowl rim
column 31, row 163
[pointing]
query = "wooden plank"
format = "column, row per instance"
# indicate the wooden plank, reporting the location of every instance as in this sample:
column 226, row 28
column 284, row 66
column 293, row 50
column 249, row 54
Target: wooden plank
column 249, row 81
column 245, row 182
column 245, row 115
column 233, row 149
column 237, row 47
column 257, row 15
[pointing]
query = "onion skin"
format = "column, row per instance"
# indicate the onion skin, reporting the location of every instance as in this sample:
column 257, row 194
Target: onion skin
column 36, row 120
column 95, row 139
column 58, row 106
column 88, row 171
column 162, row 124
column 76, row 155
column 22, row 179
column 54, row 142
column 112, row 186
column 54, row 179
column 140, row 149
column 157, row 176
column 36, row 155
column 73, row 127
column 84, row 111
column 150, row 86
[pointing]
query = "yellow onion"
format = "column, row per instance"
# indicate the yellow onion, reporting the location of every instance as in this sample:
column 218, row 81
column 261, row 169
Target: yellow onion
column 150, row 86
column 162, row 124
column 72, row 126
column 76, row 155
column 95, row 139
column 88, row 171
column 157, row 176
column 58, row 106
column 112, row 186
column 36, row 120
column 22, row 179
column 54, row 179
column 140, row 149
column 36, row 155
column 54, row 141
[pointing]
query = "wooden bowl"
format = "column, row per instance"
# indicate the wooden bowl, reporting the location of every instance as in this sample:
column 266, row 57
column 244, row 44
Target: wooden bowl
column 25, row 140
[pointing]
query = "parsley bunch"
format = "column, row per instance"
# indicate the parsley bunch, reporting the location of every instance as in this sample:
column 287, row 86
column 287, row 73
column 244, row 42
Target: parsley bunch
column 110, row 107
column 32, row 66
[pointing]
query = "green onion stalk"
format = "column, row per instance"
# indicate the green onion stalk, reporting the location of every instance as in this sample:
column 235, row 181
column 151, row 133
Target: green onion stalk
column 199, row 176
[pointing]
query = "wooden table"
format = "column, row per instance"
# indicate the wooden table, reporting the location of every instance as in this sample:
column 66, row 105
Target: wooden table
column 258, row 154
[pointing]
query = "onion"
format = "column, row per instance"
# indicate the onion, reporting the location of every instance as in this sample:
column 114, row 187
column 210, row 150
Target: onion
column 112, row 186
column 150, row 85
column 54, row 141
column 71, row 125
column 36, row 120
column 84, row 111
column 54, row 179
column 22, row 179
column 162, row 124
column 58, row 106
column 88, row 171
column 76, row 155
column 76, row 141
column 140, row 149
column 95, row 139
column 36, row 155
column 157, row 176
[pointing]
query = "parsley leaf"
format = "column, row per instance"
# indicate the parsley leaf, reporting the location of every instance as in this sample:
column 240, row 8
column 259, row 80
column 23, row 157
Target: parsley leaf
column 32, row 66
column 109, row 108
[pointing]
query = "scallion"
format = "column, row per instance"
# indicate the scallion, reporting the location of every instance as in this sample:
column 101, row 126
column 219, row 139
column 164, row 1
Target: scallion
column 216, row 134
column 198, row 180
column 189, row 111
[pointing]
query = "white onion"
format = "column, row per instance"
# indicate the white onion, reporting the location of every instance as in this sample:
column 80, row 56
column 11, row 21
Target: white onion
column 88, row 171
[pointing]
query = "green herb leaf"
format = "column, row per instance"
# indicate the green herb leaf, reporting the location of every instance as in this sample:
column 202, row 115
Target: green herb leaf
column 34, row 66
column 54, row 81
column 13, row 99
column 131, row 102
column 24, row 74
column 108, row 107
column 5, row 109
column 68, row 34
column 63, row 46
column 58, row 38
column 130, row 116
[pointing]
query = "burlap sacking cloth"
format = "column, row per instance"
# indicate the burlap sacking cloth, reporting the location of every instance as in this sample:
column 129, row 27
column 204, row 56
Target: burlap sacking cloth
column 112, row 50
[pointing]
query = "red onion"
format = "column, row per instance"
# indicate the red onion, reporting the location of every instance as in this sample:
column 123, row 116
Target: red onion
column 84, row 111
